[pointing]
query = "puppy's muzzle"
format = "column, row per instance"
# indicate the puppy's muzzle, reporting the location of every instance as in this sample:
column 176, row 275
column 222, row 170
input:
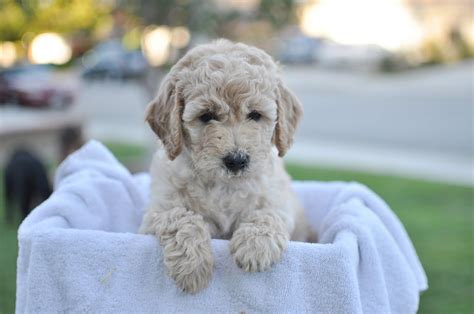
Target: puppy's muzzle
column 236, row 161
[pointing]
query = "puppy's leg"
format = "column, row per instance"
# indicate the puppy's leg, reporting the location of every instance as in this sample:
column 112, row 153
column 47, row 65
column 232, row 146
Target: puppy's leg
column 259, row 241
column 186, row 242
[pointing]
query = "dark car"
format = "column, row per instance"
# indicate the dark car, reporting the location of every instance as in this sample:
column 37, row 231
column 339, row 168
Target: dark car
column 33, row 86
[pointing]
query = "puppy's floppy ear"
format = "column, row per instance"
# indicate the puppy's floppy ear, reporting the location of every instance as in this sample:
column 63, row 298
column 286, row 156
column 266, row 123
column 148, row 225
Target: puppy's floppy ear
column 164, row 117
column 289, row 112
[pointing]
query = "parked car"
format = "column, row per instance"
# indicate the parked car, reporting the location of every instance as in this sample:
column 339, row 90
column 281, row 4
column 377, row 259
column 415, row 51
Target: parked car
column 298, row 49
column 33, row 86
column 110, row 60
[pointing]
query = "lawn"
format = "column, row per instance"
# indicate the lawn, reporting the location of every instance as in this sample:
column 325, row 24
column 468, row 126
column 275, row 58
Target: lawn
column 8, row 253
column 438, row 218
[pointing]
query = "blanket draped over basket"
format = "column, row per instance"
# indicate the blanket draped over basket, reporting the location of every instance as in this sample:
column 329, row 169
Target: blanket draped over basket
column 79, row 252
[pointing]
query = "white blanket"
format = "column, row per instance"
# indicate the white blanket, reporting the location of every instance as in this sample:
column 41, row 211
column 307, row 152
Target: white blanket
column 79, row 252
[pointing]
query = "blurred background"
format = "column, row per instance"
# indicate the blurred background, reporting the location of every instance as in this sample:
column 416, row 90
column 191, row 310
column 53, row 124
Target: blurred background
column 387, row 88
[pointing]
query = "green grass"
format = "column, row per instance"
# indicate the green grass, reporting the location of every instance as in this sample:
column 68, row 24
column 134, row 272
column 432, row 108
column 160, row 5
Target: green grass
column 8, row 254
column 438, row 218
column 124, row 152
column 130, row 155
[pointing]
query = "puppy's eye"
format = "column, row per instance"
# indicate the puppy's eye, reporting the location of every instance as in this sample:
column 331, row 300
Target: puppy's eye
column 254, row 115
column 208, row 116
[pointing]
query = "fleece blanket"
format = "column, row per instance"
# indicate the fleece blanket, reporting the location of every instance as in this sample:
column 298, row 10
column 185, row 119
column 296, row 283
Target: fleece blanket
column 80, row 252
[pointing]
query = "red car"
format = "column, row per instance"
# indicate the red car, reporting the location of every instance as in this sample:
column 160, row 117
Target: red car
column 33, row 86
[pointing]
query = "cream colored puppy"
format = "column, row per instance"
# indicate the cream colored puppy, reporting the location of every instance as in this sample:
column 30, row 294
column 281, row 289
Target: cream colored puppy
column 219, row 113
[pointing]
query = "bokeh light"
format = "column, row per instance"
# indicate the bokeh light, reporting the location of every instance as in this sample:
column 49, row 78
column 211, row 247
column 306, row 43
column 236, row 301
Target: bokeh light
column 180, row 37
column 156, row 45
column 50, row 48
column 386, row 23
column 8, row 54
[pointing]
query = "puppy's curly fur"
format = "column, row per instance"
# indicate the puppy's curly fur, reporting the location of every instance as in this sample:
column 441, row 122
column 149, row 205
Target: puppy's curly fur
column 219, row 99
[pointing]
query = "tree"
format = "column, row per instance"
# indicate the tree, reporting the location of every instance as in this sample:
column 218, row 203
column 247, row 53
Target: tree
column 61, row 16
column 12, row 20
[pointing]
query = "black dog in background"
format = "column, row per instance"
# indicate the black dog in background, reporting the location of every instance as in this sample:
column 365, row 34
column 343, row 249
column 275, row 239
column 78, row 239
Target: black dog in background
column 26, row 183
column 26, row 179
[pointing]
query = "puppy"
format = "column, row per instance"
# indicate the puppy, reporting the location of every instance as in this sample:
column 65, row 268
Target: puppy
column 220, row 113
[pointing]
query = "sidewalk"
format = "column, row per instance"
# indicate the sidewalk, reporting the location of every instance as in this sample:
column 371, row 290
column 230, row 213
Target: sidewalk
column 438, row 167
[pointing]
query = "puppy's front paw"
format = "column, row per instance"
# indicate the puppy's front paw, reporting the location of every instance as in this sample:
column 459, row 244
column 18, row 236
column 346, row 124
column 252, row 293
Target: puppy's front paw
column 191, row 278
column 189, row 265
column 187, row 249
column 255, row 249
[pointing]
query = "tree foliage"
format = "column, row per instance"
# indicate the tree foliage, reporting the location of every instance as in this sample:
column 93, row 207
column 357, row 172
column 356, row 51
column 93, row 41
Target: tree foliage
column 37, row 16
column 70, row 16
column 12, row 20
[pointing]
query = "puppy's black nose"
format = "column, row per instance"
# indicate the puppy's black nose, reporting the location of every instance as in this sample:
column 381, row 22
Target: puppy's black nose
column 236, row 161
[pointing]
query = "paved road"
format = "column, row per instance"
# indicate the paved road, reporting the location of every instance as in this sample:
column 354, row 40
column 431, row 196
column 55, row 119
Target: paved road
column 428, row 110
column 416, row 124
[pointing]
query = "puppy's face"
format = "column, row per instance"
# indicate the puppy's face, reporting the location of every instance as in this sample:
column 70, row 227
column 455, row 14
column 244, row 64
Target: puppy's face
column 226, row 135
column 224, row 105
